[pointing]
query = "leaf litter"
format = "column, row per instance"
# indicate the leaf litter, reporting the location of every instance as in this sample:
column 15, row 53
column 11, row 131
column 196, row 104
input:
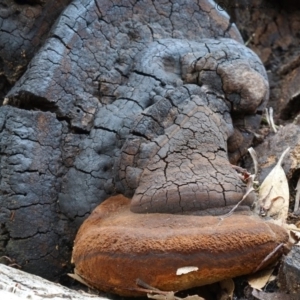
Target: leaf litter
column 273, row 205
column 273, row 195
column 154, row 293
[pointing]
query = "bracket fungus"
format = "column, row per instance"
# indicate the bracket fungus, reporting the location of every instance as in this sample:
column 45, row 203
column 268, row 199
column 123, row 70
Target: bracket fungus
column 194, row 103
column 115, row 247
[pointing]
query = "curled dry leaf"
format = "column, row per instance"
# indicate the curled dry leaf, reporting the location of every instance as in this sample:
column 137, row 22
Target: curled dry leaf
column 260, row 278
column 273, row 197
column 193, row 297
column 227, row 287
column 186, row 270
column 294, row 234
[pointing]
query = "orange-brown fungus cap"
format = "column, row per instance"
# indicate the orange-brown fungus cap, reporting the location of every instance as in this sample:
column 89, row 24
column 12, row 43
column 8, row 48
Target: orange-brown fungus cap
column 114, row 247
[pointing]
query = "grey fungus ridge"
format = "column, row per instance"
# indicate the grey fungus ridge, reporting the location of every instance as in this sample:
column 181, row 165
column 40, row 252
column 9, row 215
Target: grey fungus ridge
column 177, row 148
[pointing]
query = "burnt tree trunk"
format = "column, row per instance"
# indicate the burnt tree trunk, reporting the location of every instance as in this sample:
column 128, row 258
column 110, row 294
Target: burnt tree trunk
column 16, row 284
column 69, row 104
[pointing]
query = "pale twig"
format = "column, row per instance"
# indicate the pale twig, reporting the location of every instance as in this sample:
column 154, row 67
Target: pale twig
column 250, row 39
column 272, row 120
column 267, row 116
column 236, row 206
column 283, row 155
column 144, row 285
column 12, row 262
column 269, row 256
column 249, row 190
column 254, row 159
column 158, row 294
column 239, row 169
column 242, row 173
column 297, row 197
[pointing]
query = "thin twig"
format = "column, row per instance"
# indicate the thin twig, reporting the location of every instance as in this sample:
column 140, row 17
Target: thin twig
column 237, row 205
column 12, row 262
column 249, row 189
column 272, row 120
column 242, row 173
column 268, row 116
column 149, row 291
column 283, row 155
column 145, row 287
column 254, row 159
column 269, row 256
column 250, row 39
column 141, row 283
column 239, row 169
column 297, row 197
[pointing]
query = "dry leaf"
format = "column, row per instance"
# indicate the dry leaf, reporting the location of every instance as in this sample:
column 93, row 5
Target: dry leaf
column 273, row 197
column 227, row 287
column 77, row 277
column 260, row 279
column 168, row 296
column 194, row 297
column 294, row 233
column 157, row 294
column 186, row 270
column 270, row 296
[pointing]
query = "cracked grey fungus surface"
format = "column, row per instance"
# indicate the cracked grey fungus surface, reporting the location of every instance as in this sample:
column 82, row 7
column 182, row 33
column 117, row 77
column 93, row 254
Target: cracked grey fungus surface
column 151, row 99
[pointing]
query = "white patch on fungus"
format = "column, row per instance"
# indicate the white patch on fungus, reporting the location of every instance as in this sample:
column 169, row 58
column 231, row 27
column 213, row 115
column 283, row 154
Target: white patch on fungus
column 185, row 270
